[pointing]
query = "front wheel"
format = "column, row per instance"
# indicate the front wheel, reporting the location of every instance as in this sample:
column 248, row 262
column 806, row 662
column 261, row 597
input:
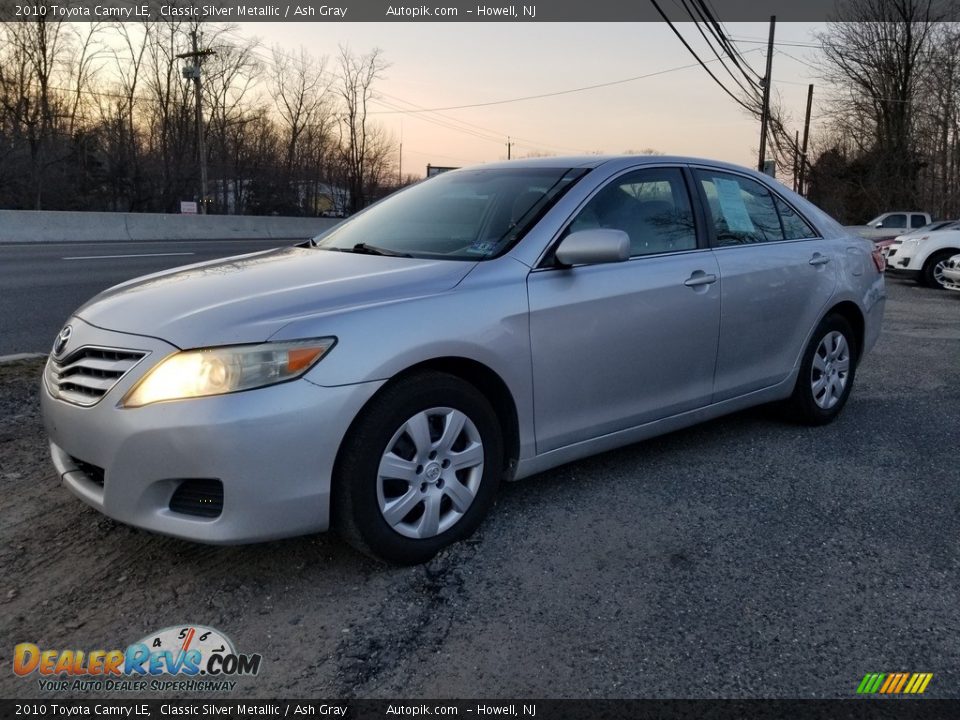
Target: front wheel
column 419, row 468
column 932, row 273
column 826, row 373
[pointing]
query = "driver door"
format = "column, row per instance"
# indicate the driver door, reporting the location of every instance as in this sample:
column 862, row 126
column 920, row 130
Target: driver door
column 622, row 344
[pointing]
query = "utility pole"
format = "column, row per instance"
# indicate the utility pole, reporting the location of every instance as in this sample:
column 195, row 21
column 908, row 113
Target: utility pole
column 192, row 72
column 796, row 159
column 803, row 150
column 766, row 96
column 509, row 145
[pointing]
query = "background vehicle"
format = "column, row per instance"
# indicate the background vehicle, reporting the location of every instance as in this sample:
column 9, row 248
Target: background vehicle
column 891, row 224
column 887, row 243
column 923, row 257
column 488, row 323
column 951, row 273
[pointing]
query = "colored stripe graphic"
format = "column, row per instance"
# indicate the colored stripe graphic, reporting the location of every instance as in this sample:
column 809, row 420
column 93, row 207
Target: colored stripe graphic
column 915, row 680
column 894, row 683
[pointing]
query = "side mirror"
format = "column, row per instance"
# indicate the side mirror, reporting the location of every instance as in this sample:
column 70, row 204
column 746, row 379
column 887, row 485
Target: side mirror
column 879, row 224
column 590, row 247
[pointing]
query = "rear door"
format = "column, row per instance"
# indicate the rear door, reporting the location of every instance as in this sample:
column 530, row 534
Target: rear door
column 777, row 276
column 620, row 344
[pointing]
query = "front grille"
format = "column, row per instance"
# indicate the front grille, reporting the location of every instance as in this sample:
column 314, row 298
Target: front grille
column 86, row 375
column 203, row 498
column 94, row 474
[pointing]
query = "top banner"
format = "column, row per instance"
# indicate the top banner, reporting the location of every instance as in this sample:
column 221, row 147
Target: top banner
column 445, row 11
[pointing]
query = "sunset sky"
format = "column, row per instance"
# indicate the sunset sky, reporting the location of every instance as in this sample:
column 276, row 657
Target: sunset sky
column 439, row 65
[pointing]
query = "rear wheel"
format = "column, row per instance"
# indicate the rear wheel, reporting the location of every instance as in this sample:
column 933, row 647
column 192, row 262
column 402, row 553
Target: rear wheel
column 932, row 273
column 826, row 373
column 419, row 468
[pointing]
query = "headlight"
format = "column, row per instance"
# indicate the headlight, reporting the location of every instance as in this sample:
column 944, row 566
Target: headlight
column 215, row 371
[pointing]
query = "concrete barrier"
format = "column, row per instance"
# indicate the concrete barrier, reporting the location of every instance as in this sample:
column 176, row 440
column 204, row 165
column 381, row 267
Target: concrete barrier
column 57, row 226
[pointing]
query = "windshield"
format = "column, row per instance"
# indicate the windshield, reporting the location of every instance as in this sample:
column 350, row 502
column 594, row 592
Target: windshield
column 470, row 214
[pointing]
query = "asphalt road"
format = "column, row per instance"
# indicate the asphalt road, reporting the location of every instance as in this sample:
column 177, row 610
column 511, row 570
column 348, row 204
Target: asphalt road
column 746, row 557
column 42, row 283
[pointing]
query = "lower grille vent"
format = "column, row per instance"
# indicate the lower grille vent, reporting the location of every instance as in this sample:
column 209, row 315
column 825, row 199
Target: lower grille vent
column 202, row 498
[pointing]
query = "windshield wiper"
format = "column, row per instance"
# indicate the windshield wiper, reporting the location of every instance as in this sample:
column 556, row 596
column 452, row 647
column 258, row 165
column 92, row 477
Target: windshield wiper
column 365, row 249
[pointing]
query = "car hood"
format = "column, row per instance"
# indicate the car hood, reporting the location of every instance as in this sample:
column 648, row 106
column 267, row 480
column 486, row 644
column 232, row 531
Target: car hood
column 248, row 298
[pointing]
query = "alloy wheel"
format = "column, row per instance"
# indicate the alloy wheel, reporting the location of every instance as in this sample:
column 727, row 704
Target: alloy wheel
column 430, row 472
column 830, row 370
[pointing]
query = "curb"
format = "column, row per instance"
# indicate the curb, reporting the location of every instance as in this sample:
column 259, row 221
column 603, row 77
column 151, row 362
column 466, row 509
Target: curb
column 20, row 356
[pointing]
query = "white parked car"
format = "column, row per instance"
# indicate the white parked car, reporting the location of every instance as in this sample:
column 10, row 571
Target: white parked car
column 951, row 273
column 887, row 245
column 924, row 257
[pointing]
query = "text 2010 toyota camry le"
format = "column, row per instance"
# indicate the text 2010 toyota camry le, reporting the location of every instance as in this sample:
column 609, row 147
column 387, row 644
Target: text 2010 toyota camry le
column 488, row 323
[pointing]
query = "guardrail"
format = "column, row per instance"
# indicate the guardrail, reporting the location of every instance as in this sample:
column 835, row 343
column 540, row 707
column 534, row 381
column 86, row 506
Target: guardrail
column 66, row 226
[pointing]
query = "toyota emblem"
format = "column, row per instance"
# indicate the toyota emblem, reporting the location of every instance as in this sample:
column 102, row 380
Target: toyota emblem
column 62, row 339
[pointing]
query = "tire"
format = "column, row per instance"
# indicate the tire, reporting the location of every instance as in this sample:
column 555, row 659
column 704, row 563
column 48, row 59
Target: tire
column 824, row 382
column 931, row 274
column 392, row 498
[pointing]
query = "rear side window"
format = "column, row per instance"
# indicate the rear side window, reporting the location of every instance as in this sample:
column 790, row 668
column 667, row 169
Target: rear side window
column 917, row 221
column 742, row 210
column 794, row 226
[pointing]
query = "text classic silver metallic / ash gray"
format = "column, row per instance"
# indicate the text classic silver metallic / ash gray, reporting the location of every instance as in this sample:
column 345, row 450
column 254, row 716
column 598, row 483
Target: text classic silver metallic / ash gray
column 486, row 324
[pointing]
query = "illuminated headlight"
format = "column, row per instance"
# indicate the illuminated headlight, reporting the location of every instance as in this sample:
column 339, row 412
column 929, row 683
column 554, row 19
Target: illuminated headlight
column 220, row 370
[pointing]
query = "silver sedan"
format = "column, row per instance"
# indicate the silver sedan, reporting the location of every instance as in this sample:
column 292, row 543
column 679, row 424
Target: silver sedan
column 484, row 325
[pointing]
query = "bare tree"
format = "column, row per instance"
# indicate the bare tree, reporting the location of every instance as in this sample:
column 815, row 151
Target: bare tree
column 359, row 140
column 877, row 64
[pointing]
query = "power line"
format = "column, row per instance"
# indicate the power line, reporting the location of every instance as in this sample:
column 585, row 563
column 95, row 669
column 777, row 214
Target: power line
column 720, row 31
column 700, row 62
column 785, row 43
column 559, row 92
column 524, row 142
column 699, row 25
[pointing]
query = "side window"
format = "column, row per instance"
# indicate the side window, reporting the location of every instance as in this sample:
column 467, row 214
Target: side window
column 794, row 226
column 917, row 221
column 651, row 206
column 741, row 209
column 895, row 221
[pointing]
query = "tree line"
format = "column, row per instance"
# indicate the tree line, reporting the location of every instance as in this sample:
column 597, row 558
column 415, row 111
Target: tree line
column 100, row 116
column 891, row 133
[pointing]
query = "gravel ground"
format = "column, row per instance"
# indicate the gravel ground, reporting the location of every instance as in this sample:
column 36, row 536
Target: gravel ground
column 742, row 558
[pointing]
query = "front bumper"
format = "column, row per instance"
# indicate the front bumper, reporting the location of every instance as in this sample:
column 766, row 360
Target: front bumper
column 273, row 449
column 951, row 278
column 902, row 272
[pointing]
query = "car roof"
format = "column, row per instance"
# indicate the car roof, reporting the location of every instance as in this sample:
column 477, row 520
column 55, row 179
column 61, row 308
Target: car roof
column 594, row 161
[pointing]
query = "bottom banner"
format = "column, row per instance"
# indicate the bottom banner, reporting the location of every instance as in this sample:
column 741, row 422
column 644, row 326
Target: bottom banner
column 910, row 709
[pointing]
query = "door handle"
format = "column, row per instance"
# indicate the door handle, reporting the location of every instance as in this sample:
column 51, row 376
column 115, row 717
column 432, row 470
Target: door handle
column 819, row 259
column 700, row 278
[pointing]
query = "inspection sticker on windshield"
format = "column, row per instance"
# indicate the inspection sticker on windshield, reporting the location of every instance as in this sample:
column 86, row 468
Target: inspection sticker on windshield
column 481, row 247
column 732, row 205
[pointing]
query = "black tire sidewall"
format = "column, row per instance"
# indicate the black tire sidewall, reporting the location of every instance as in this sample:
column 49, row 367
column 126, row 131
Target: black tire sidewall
column 805, row 406
column 927, row 273
column 367, row 441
